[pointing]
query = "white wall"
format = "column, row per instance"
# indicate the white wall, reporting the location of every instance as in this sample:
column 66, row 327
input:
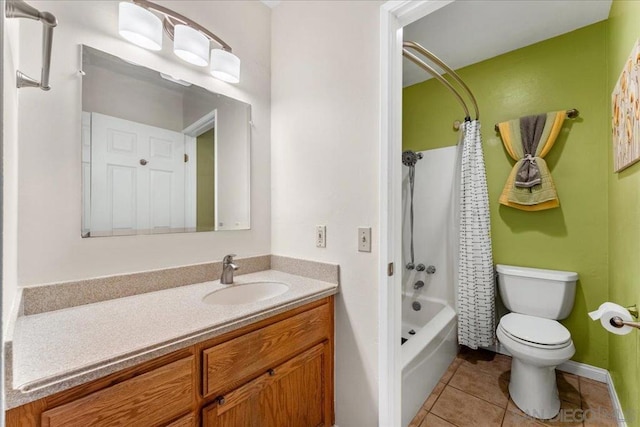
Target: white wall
column 10, row 166
column 50, row 247
column 325, row 144
column 118, row 95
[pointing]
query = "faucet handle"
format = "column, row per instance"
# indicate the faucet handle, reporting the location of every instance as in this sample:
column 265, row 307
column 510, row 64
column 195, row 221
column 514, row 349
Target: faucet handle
column 228, row 258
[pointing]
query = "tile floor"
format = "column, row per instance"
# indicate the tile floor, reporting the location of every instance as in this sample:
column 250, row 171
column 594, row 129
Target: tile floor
column 475, row 392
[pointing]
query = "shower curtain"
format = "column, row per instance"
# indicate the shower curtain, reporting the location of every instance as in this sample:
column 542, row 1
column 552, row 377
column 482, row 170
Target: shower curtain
column 476, row 282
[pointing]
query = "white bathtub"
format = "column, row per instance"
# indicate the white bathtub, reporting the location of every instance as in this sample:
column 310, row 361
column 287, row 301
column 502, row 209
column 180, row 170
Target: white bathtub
column 427, row 354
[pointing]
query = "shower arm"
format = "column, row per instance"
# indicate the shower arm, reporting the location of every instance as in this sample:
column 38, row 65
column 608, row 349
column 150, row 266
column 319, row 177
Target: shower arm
column 417, row 47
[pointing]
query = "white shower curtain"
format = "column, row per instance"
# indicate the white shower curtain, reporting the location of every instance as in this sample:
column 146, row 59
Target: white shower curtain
column 476, row 282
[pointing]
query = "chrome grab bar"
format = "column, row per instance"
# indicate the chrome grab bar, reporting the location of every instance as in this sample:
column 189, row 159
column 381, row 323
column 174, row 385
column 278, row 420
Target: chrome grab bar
column 20, row 9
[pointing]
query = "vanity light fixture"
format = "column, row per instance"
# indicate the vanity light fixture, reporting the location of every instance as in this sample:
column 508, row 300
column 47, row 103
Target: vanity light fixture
column 191, row 42
column 225, row 66
column 191, row 45
column 139, row 26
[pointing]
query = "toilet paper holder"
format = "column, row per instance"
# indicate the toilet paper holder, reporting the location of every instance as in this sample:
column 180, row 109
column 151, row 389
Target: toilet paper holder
column 619, row 323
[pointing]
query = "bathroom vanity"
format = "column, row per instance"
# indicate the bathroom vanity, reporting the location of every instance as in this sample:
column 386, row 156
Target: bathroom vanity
column 267, row 363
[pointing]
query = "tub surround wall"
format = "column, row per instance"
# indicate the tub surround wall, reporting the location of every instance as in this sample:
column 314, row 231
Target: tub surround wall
column 568, row 71
column 50, row 248
column 435, row 236
column 624, row 226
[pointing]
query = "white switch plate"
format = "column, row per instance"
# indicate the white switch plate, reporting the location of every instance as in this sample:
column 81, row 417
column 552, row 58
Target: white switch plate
column 364, row 239
column 321, row 236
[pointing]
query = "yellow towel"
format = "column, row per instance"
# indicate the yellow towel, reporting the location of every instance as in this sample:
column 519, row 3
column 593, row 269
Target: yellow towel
column 542, row 196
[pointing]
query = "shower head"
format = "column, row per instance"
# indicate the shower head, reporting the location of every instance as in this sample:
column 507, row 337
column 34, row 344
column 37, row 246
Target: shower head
column 410, row 158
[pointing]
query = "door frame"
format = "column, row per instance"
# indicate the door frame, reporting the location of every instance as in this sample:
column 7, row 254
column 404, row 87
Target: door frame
column 394, row 15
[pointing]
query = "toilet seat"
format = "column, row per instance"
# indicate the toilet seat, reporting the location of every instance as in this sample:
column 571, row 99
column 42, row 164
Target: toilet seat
column 535, row 331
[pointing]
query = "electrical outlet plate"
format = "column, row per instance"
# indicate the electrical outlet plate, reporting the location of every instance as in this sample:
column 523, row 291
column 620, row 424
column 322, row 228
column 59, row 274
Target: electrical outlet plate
column 321, row 236
column 364, row 239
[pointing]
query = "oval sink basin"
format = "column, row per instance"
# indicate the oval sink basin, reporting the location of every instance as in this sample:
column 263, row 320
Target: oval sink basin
column 245, row 293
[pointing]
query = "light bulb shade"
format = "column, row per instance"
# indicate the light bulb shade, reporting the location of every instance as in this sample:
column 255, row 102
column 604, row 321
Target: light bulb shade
column 225, row 66
column 139, row 26
column 191, row 45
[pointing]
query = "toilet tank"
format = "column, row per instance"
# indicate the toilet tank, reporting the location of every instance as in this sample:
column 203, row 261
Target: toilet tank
column 537, row 292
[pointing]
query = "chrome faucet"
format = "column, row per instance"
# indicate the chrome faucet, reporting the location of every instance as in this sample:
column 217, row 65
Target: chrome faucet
column 228, row 267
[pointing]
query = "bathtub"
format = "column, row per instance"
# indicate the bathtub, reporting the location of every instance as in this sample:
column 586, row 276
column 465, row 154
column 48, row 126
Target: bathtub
column 428, row 351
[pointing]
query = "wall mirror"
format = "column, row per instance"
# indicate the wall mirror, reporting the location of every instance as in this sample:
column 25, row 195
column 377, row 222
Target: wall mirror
column 160, row 155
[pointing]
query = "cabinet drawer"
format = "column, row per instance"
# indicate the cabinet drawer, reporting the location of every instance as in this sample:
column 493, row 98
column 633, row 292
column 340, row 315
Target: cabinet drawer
column 228, row 364
column 149, row 399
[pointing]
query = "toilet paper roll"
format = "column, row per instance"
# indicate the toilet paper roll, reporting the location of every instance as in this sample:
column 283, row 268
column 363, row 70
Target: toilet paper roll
column 609, row 310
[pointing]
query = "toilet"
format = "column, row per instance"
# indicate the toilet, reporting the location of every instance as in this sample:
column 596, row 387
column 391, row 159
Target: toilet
column 531, row 333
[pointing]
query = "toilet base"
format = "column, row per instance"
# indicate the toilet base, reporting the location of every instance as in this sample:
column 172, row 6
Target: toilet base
column 534, row 389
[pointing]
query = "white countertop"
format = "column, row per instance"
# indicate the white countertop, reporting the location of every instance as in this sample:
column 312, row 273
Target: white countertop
column 57, row 350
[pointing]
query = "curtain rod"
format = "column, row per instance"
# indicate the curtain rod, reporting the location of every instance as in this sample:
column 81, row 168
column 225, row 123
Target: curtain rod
column 421, row 49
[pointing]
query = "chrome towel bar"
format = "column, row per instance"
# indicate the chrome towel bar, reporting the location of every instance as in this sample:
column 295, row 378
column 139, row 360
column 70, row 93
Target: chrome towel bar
column 571, row 114
column 20, row 9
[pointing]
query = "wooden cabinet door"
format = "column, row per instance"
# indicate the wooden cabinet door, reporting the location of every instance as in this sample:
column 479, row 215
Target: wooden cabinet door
column 294, row 394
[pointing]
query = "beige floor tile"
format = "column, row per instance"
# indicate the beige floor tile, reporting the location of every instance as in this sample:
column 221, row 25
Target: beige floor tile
column 568, row 387
column 482, row 385
column 604, row 418
column 497, row 365
column 435, row 421
column 511, row 419
column 451, row 370
column 417, row 420
column 478, row 388
column 595, row 395
column 428, row 404
column 462, row 409
column 570, row 414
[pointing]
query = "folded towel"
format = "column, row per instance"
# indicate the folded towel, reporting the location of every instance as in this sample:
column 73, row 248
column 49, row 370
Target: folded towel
column 527, row 140
column 531, row 128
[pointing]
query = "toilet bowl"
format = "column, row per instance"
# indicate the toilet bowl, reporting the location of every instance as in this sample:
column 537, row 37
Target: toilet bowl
column 537, row 346
column 536, row 340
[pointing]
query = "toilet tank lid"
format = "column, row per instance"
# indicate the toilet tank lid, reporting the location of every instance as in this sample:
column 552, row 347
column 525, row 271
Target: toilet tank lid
column 536, row 273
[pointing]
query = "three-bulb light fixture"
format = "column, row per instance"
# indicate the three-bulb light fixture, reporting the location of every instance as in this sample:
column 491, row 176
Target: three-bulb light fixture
column 191, row 42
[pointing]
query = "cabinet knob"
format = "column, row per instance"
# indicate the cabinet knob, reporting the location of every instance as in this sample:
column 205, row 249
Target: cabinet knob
column 220, row 400
column 271, row 372
column 143, row 162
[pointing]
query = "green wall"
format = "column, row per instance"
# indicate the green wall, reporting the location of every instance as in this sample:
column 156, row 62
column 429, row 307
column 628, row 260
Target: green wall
column 205, row 187
column 565, row 72
column 624, row 224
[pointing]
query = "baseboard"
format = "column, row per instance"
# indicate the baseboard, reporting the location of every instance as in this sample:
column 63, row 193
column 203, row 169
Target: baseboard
column 583, row 370
column 616, row 402
column 576, row 368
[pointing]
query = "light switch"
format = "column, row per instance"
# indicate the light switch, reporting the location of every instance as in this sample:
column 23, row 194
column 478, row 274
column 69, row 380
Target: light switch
column 321, row 236
column 364, row 239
